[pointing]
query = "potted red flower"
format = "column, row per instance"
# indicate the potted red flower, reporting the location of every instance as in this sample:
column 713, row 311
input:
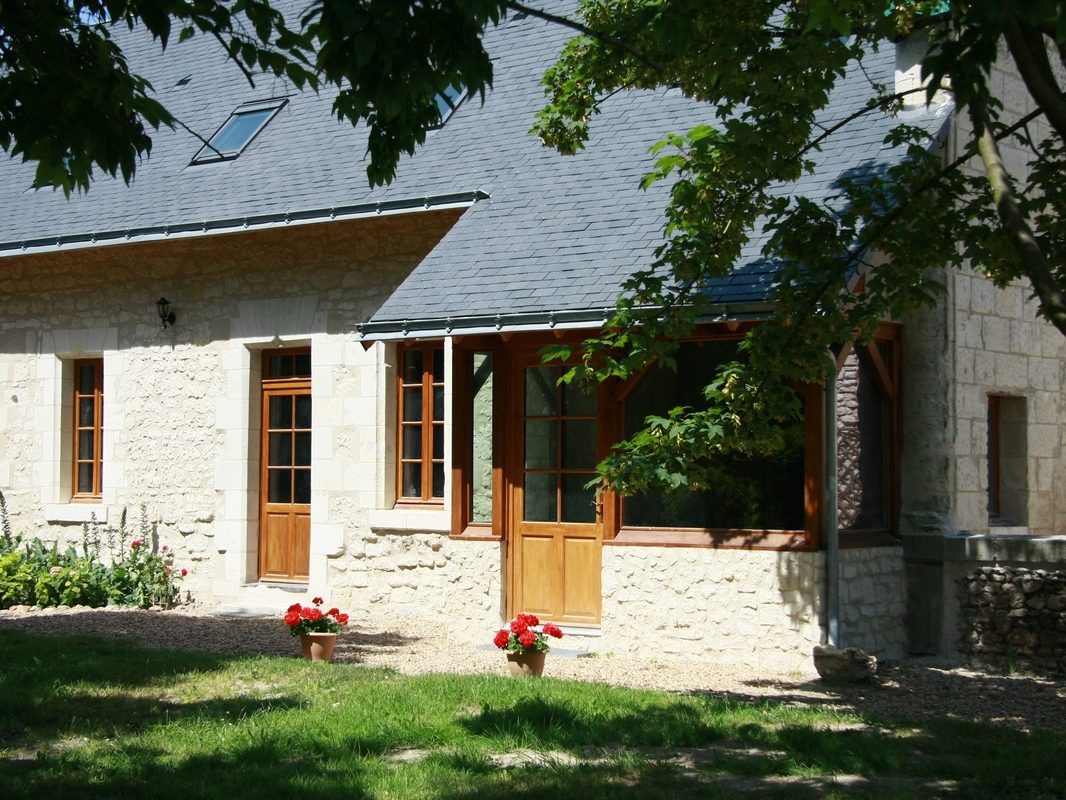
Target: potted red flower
column 316, row 628
column 525, row 641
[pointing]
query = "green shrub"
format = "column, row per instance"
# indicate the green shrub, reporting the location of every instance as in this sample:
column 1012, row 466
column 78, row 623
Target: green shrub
column 38, row 574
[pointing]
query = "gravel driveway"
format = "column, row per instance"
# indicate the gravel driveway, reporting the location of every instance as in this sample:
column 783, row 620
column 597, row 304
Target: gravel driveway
column 912, row 689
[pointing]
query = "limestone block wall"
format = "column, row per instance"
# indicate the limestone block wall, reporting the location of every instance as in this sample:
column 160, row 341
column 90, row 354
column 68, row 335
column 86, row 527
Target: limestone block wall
column 756, row 608
column 873, row 600
column 424, row 574
column 181, row 406
column 1002, row 348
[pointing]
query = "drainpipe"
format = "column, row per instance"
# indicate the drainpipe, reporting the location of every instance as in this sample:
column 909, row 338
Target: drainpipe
column 832, row 534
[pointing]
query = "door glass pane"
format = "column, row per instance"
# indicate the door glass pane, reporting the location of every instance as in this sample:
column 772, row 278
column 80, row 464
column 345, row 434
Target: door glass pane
column 438, row 403
column 541, row 444
column 279, row 486
column 303, row 411
column 577, row 500
column 302, row 365
column 85, row 478
column 301, row 479
column 540, row 391
column 438, row 480
column 303, row 451
column 438, row 441
column 579, row 399
column 412, row 404
column 85, row 412
column 281, row 411
column 85, row 445
column 280, row 450
column 579, row 444
column 412, row 480
column 540, row 501
column 86, row 378
column 412, row 366
column 279, row 366
column 412, row 441
column 438, row 365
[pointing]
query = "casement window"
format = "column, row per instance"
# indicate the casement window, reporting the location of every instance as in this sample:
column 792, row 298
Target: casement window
column 88, row 429
column 1008, row 490
column 753, row 501
column 420, row 411
column 743, row 492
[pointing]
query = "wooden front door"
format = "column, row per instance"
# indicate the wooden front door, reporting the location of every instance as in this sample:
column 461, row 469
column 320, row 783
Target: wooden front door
column 556, row 527
column 285, row 479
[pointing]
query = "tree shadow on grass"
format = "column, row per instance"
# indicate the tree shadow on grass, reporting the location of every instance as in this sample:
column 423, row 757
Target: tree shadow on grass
column 227, row 635
column 55, row 687
column 254, row 772
column 917, row 691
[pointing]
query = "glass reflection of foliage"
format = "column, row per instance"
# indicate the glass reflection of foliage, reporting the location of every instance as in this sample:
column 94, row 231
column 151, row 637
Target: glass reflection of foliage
column 752, row 492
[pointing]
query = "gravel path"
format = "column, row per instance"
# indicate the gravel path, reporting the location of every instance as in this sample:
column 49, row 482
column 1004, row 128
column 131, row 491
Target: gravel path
column 912, row 689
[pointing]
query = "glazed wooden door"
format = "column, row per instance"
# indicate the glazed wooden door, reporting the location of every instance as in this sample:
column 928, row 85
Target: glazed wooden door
column 285, row 482
column 557, row 529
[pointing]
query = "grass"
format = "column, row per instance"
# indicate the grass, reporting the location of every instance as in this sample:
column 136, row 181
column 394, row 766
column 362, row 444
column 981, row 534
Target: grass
column 94, row 718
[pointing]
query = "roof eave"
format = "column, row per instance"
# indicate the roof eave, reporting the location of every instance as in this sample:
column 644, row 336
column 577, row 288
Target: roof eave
column 250, row 222
column 534, row 321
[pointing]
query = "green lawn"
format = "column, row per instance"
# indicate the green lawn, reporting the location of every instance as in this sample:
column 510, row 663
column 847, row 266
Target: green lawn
column 94, row 718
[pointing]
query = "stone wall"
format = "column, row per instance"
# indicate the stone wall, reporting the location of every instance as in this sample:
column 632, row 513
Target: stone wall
column 181, row 406
column 977, row 341
column 1014, row 618
column 423, row 574
column 757, row 608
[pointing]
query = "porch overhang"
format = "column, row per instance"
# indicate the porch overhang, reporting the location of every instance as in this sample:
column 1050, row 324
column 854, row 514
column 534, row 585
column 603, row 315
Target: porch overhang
column 533, row 321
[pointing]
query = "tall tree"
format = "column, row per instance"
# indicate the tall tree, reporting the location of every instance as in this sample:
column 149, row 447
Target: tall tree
column 766, row 67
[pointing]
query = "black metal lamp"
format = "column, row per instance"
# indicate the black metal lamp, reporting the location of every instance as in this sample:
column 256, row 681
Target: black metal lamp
column 166, row 316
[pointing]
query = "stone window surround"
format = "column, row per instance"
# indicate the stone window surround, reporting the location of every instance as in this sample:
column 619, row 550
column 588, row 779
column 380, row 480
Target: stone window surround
column 237, row 466
column 388, row 514
column 58, row 349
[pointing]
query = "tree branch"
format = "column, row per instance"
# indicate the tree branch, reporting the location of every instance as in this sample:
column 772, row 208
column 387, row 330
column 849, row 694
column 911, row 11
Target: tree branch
column 1030, row 54
column 566, row 22
column 1034, row 264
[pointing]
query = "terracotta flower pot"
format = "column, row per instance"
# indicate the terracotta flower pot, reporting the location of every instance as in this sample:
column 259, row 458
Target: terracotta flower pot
column 522, row 664
column 318, row 646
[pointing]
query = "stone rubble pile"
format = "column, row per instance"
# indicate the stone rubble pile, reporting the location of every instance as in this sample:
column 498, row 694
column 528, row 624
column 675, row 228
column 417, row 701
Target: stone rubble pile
column 1014, row 618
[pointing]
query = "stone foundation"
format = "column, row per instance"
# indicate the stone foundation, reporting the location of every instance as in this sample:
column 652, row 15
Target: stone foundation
column 1014, row 618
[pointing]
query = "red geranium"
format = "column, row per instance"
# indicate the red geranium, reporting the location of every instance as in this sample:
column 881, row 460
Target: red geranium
column 311, row 619
column 522, row 635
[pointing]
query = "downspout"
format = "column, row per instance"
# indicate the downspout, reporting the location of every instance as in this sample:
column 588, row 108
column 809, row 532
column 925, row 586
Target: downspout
column 832, row 534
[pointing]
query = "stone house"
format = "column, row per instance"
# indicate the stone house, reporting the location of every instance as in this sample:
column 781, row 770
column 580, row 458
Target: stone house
column 349, row 400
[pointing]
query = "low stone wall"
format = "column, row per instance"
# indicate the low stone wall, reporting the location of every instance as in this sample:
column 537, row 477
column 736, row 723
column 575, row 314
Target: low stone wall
column 1014, row 617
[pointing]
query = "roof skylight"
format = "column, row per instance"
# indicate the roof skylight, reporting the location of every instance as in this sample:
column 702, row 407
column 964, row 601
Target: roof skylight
column 238, row 131
column 448, row 101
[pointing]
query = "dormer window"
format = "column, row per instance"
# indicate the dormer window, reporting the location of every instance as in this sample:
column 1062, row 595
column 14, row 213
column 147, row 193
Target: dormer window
column 449, row 100
column 238, row 131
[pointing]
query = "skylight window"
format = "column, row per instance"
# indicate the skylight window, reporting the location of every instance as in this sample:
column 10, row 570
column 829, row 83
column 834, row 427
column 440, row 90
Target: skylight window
column 448, row 101
column 238, row 131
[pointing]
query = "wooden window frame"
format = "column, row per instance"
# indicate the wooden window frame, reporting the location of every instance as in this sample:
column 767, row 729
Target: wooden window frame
column 811, row 538
column 427, row 423
column 463, row 525
column 97, row 428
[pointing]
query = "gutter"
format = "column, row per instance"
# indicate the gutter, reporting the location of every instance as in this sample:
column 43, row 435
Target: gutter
column 152, row 233
column 436, row 327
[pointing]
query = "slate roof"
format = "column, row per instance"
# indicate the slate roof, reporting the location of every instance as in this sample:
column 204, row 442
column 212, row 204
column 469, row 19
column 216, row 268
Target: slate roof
column 546, row 239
